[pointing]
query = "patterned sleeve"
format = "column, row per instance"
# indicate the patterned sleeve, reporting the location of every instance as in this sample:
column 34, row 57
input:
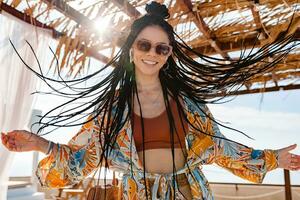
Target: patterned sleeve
column 243, row 161
column 73, row 161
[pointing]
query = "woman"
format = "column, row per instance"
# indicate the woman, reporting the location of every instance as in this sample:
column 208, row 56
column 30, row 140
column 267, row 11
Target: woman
column 150, row 119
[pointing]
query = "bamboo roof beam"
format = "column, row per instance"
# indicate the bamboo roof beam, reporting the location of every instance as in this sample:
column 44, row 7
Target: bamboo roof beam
column 257, row 20
column 229, row 46
column 127, row 8
column 236, row 45
column 266, row 89
column 73, row 14
column 203, row 27
column 271, row 76
column 70, row 12
column 26, row 18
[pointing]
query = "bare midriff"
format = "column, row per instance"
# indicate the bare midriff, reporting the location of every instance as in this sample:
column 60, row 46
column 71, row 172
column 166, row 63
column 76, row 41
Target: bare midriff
column 165, row 164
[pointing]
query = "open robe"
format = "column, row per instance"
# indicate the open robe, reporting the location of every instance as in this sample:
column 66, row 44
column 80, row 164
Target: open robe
column 81, row 156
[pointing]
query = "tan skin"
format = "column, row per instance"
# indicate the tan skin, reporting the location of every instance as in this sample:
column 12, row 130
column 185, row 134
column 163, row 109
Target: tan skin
column 149, row 90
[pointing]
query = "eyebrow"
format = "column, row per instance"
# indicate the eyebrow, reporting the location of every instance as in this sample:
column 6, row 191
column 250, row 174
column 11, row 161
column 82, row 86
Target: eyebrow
column 152, row 42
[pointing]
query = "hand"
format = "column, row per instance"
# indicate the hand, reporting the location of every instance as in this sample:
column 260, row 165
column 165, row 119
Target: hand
column 20, row 141
column 288, row 160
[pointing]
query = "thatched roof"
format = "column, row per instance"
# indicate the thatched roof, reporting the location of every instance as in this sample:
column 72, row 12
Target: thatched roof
column 95, row 28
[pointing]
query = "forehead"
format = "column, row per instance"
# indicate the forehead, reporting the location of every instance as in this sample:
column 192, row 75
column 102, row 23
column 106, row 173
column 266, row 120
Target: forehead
column 155, row 34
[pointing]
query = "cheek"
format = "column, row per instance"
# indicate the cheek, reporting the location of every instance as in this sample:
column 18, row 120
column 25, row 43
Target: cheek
column 161, row 63
column 137, row 56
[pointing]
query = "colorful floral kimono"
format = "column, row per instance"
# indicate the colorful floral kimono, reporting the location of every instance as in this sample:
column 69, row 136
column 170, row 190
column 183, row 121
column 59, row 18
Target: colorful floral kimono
column 80, row 157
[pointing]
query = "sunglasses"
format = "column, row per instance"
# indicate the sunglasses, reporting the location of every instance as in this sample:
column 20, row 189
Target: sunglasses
column 146, row 46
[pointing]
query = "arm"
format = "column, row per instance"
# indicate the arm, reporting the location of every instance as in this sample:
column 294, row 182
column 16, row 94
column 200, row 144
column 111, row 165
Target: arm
column 68, row 164
column 243, row 161
column 22, row 141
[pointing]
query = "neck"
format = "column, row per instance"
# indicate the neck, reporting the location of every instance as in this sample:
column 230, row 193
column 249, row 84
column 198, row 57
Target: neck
column 145, row 84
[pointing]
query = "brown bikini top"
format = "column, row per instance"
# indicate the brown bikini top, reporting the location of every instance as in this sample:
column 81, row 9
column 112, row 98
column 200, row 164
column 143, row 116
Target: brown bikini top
column 157, row 132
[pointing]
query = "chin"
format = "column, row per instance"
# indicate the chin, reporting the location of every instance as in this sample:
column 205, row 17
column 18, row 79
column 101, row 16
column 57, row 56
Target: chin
column 148, row 71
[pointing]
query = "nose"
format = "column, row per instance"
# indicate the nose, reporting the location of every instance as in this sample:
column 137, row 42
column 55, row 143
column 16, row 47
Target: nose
column 152, row 51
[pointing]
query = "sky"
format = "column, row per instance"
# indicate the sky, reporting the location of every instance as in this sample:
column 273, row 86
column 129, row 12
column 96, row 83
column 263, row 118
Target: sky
column 272, row 119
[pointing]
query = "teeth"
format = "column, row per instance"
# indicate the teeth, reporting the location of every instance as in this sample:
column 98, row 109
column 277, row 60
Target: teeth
column 149, row 62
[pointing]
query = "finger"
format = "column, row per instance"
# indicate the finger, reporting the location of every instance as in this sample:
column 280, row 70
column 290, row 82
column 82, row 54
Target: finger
column 14, row 147
column 11, row 147
column 3, row 138
column 289, row 148
column 18, row 148
column 294, row 168
column 294, row 163
column 12, row 144
column 5, row 141
column 295, row 158
column 12, row 133
column 2, row 135
column 11, row 140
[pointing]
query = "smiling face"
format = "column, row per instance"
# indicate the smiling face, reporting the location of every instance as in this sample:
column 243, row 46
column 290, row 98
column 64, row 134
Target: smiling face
column 148, row 63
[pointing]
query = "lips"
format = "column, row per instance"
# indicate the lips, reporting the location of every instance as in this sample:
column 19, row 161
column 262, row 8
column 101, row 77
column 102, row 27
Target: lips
column 149, row 62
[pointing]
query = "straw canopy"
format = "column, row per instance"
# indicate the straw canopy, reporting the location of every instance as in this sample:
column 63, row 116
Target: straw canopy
column 96, row 28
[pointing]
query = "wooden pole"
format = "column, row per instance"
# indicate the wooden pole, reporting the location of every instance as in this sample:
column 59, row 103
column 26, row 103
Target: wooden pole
column 288, row 193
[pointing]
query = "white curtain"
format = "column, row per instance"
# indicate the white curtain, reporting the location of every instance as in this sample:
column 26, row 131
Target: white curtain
column 16, row 81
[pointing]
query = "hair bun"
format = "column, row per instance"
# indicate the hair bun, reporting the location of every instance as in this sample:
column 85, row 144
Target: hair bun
column 157, row 9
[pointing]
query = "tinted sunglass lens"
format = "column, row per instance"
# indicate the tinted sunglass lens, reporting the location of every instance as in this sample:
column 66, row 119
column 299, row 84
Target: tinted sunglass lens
column 143, row 46
column 162, row 49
